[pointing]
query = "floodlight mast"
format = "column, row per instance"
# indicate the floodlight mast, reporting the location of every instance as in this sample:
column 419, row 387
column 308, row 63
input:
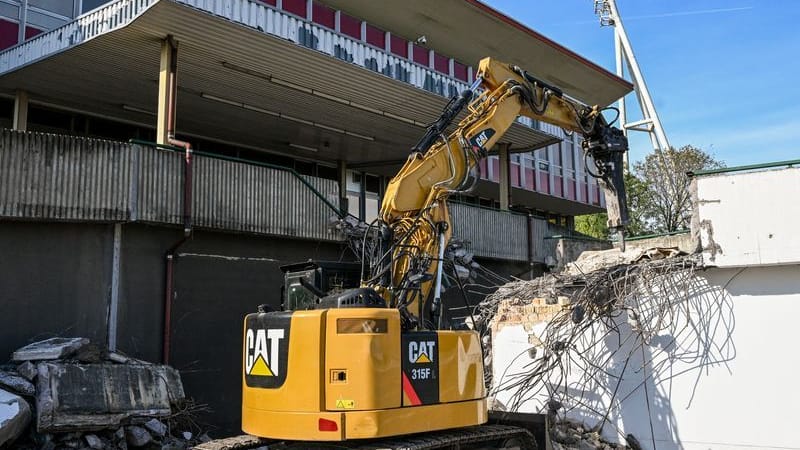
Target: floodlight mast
column 608, row 13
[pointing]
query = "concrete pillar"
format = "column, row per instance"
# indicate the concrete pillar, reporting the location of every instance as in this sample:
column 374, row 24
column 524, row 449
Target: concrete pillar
column 21, row 111
column 167, row 70
column 341, row 167
column 505, row 179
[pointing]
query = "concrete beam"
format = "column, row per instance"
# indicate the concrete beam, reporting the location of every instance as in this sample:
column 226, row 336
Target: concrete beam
column 505, row 179
column 21, row 111
column 166, row 97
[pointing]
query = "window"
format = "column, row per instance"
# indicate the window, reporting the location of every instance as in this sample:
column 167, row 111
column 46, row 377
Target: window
column 441, row 63
column 399, row 46
column 64, row 8
column 420, row 55
column 460, row 71
column 296, row 7
column 323, row 15
column 376, row 36
column 89, row 5
column 349, row 25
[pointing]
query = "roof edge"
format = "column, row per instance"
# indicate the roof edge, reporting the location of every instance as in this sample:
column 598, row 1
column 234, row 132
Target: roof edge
column 547, row 41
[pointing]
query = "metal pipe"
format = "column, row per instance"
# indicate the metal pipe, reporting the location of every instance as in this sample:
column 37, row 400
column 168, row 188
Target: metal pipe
column 436, row 307
column 187, row 196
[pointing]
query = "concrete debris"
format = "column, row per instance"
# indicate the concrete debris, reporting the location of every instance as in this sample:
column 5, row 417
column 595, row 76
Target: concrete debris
column 15, row 414
column 137, row 436
column 96, row 396
column 568, row 434
column 27, row 370
column 156, row 427
column 16, row 384
column 53, row 348
column 88, row 398
column 596, row 260
column 93, row 441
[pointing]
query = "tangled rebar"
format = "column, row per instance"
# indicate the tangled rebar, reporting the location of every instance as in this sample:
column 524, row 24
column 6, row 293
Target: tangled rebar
column 610, row 336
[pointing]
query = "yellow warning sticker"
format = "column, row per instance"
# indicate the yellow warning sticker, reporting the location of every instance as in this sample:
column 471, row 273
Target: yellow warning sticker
column 345, row 404
column 260, row 368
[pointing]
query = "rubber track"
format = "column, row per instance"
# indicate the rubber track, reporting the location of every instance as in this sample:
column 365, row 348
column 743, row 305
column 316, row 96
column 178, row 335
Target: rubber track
column 449, row 439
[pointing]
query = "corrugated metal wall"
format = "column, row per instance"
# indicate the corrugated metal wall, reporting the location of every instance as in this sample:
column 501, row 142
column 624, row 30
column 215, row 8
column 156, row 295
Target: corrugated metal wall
column 56, row 177
column 501, row 235
column 45, row 176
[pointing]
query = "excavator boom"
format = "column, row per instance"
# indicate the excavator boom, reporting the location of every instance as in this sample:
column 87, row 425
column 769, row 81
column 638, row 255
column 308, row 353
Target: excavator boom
column 375, row 365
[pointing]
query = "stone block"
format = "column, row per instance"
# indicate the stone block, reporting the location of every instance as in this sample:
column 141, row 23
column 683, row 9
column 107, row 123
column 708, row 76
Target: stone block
column 98, row 396
column 15, row 414
column 53, row 348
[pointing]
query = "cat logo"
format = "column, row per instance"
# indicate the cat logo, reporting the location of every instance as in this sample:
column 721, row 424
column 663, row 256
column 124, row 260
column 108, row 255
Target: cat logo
column 421, row 352
column 481, row 139
column 262, row 352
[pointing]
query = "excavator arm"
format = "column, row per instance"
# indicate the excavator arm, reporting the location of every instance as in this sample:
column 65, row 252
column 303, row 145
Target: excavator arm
column 415, row 219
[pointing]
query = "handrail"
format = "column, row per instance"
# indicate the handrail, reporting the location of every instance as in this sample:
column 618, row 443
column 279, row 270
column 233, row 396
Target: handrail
column 251, row 162
column 788, row 163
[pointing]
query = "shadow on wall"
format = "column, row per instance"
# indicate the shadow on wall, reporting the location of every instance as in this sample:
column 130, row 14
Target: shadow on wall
column 614, row 369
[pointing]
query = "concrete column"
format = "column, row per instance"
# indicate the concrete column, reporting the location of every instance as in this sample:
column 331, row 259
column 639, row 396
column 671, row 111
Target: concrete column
column 505, row 179
column 167, row 69
column 341, row 167
column 21, row 111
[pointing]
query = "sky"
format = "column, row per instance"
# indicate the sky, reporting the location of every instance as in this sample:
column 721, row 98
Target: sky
column 724, row 74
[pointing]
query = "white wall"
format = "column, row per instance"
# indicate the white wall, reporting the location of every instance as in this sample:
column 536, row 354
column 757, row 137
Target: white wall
column 732, row 383
column 749, row 218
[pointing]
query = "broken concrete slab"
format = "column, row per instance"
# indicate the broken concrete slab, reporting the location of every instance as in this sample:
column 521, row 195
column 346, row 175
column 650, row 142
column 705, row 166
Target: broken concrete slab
column 156, row 427
column 137, row 436
column 53, row 348
column 16, row 384
column 15, row 414
column 27, row 370
column 98, row 396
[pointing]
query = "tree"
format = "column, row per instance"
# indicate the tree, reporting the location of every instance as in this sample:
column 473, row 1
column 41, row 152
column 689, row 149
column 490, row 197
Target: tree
column 596, row 225
column 659, row 200
column 666, row 203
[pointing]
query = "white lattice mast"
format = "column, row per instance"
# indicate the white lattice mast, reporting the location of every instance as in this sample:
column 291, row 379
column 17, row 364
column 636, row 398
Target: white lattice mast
column 650, row 124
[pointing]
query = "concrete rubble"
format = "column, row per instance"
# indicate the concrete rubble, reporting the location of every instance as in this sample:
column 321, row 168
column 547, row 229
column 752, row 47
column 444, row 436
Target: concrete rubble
column 66, row 393
column 562, row 329
column 15, row 414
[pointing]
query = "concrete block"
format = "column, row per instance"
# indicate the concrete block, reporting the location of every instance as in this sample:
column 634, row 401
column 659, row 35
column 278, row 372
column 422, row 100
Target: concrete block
column 98, row 396
column 16, row 384
column 137, row 436
column 53, row 348
column 15, row 414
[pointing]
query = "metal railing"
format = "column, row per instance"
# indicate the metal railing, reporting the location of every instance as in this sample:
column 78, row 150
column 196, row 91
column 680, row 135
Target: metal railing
column 113, row 16
column 500, row 234
column 66, row 178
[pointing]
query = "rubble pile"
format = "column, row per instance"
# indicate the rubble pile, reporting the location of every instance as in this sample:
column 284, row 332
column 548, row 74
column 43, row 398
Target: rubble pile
column 67, row 393
column 569, row 434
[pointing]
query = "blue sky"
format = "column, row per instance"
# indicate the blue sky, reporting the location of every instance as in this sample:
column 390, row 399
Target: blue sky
column 724, row 74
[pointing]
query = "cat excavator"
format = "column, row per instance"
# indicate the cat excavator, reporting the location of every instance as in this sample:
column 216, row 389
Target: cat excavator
column 378, row 366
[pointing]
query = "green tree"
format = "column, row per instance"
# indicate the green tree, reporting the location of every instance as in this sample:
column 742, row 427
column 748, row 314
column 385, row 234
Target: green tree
column 665, row 205
column 596, row 225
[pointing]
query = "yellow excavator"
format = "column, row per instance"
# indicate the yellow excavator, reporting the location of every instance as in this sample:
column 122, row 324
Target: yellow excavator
column 377, row 367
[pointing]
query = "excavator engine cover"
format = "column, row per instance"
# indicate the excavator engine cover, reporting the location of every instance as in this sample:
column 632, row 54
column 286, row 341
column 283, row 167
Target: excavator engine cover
column 352, row 373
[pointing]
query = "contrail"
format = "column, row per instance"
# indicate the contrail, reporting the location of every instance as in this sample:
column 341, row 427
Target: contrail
column 689, row 13
column 671, row 14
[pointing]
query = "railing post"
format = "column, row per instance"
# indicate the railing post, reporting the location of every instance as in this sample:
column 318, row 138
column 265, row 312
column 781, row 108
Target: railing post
column 505, row 181
column 21, row 111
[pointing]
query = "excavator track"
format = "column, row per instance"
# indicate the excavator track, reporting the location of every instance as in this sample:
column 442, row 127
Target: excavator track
column 448, row 439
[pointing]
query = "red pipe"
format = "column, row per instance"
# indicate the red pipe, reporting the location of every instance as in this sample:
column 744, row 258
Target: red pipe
column 187, row 197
